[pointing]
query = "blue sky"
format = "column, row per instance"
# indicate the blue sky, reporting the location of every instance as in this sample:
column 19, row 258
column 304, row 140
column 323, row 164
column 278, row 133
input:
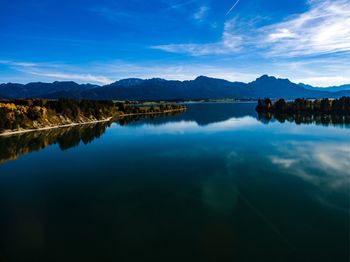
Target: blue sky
column 101, row 41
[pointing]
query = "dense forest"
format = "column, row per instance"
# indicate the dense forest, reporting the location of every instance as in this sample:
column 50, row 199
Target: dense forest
column 38, row 113
column 305, row 106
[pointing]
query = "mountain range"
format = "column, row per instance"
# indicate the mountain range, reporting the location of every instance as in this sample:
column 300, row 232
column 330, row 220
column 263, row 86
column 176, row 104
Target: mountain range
column 160, row 89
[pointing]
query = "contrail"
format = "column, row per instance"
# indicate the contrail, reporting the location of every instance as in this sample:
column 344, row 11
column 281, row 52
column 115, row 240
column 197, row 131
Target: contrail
column 229, row 11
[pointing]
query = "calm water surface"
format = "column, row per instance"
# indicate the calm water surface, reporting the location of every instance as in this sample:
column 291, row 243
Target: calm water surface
column 212, row 184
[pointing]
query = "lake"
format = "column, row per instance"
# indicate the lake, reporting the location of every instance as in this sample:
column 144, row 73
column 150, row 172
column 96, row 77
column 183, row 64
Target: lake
column 215, row 183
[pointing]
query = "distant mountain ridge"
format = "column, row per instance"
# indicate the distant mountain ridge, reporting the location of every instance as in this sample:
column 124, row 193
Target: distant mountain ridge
column 41, row 90
column 329, row 89
column 160, row 89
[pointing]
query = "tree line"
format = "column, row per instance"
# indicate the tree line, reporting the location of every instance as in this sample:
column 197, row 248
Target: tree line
column 36, row 113
column 300, row 105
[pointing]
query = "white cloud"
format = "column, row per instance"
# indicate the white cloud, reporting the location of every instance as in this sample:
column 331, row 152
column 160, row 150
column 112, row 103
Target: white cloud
column 281, row 34
column 201, row 13
column 180, row 5
column 20, row 64
column 311, row 47
column 323, row 29
column 73, row 77
column 324, row 81
column 50, row 72
column 320, row 72
column 230, row 43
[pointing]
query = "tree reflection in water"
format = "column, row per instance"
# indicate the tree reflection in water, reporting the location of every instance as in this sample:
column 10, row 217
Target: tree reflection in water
column 12, row 147
column 315, row 119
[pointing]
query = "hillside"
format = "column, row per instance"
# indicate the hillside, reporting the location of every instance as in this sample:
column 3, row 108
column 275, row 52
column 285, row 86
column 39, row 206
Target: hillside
column 29, row 114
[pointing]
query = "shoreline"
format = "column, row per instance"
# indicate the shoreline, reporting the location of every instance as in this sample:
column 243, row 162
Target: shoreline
column 10, row 133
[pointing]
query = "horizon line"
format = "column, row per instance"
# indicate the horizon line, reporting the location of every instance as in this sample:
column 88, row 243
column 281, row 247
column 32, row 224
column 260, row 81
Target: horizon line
column 169, row 79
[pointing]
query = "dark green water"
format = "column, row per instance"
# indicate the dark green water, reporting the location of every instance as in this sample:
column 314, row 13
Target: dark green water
column 212, row 184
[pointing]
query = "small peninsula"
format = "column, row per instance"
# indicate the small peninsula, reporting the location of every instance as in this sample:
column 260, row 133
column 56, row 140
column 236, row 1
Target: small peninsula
column 19, row 116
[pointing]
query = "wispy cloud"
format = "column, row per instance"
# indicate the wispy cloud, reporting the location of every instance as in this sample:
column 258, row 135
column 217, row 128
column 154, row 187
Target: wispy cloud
column 229, row 43
column 325, row 81
column 323, row 29
column 73, row 77
column 322, row 71
column 201, row 13
column 120, row 69
column 51, row 71
column 105, row 73
column 181, row 4
column 19, row 64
